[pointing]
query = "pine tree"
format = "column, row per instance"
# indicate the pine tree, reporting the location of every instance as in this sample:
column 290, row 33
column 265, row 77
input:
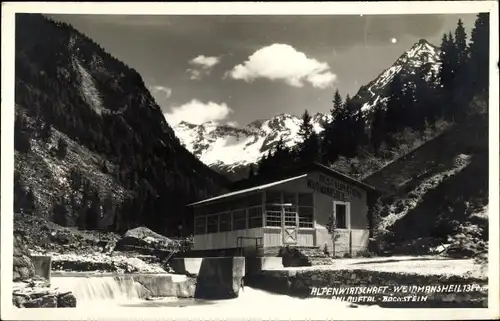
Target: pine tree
column 348, row 128
column 479, row 49
column 425, row 102
column 306, row 127
column 22, row 135
column 62, row 148
column 377, row 130
column 337, row 104
column 461, row 44
column 394, row 112
column 251, row 172
column 308, row 146
column 462, row 93
column 408, row 112
column 329, row 135
column 447, row 75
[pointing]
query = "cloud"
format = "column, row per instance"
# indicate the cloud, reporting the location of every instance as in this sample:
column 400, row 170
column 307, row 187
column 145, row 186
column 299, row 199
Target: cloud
column 197, row 112
column 202, row 65
column 167, row 92
column 283, row 62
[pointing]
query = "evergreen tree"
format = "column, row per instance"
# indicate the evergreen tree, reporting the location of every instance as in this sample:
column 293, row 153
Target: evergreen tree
column 22, row 135
column 337, row 104
column 309, row 147
column 408, row 113
column 310, row 150
column 446, row 75
column 462, row 93
column 426, row 107
column 479, row 49
column 377, row 130
column 306, row 127
column 461, row 44
column 62, row 148
column 350, row 128
column 394, row 112
column 329, row 135
column 251, row 172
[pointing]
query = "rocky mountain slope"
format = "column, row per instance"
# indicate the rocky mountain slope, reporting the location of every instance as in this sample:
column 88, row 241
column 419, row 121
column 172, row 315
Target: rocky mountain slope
column 227, row 148
column 230, row 149
column 421, row 58
column 438, row 193
column 91, row 146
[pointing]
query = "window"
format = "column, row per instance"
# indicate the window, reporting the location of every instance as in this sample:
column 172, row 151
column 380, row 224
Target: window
column 239, row 219
column 255, row 217
column 212, row 223
column 225, row 222
column 273, row 218
column 200, row 225
column 306, row 214
column 341, row 216
column 306, row 210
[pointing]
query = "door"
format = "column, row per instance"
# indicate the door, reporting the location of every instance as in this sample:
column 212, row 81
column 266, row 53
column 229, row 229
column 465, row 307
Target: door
column 342, row 215
column 290, row 225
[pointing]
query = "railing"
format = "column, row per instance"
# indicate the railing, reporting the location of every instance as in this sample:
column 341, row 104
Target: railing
column 169, row 256
column 241, row 248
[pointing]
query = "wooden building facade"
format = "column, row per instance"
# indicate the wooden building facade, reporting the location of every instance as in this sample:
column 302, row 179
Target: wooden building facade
column 294, row 211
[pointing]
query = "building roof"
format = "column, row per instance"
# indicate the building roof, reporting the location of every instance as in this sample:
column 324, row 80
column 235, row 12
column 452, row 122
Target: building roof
column 298, row 169
column 342, row 176
column 297, row 173
column 248, row 190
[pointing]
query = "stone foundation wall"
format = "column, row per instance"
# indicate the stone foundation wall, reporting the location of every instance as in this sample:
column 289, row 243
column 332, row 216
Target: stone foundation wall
column 299, row 284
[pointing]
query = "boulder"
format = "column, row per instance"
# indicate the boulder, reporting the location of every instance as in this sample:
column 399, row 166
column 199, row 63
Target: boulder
column 142, row 238
column 66, row 300
column 36, row 293
column 22, row 263
column 48, row 301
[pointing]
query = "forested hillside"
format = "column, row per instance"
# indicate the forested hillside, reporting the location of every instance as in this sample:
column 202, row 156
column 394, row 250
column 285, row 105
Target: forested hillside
column 92, row 147
column 418, row 106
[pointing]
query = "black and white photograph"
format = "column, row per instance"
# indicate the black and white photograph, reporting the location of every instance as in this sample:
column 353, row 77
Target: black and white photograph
column 250, row 160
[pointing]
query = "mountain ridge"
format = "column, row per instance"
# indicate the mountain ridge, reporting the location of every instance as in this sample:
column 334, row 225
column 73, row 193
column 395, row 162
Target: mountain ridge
column 76, row 101
column 217, row 148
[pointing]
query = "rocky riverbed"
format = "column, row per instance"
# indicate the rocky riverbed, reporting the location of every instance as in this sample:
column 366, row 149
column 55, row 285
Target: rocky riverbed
column 138, row 251
column 37, row 293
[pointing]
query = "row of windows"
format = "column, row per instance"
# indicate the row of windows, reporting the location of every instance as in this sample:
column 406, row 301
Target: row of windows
column 301, row 216
column 238, row 220
column 272, row 197
column 229, row 221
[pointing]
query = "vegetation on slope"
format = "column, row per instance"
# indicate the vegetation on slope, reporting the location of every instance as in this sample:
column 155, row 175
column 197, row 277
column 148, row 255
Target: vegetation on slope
column 70, row 92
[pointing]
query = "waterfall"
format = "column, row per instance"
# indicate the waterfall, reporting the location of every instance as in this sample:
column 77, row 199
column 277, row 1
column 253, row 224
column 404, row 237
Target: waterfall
column 105, row 288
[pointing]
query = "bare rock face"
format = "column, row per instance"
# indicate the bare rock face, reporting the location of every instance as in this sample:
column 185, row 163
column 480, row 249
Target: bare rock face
column 23, row 266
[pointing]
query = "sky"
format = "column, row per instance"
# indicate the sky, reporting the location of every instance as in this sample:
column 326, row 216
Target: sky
column 233, row 69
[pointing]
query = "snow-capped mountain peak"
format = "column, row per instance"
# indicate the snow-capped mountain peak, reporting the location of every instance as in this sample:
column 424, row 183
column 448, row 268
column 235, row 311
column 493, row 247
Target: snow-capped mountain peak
column 421, row 57
column 227, row 148
column 231, row 147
